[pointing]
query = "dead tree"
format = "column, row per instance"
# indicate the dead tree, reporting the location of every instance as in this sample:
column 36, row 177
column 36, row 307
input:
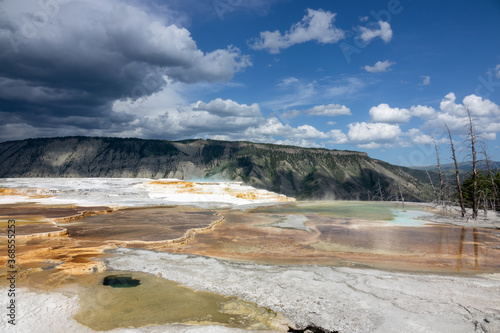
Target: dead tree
column 485, row 204
column 441, row 183
column 457, row 175
column 402, row 198
column 472, row 137
column 432, row 185
column 381, row 196
column 492, row 180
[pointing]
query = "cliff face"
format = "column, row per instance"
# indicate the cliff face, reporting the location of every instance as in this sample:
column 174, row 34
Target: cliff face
column 298, row 172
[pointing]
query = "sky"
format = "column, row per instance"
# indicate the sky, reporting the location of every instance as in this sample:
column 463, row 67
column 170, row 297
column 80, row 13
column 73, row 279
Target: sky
column 383, row 77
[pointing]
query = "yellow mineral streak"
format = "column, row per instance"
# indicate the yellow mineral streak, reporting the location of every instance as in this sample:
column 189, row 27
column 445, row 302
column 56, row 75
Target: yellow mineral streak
column 9, row 191
column 173, row 182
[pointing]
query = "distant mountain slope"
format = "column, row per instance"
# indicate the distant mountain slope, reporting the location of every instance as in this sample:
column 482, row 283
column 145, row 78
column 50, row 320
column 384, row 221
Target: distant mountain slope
column 466, row 165
column 294, row 171
column 465, row 169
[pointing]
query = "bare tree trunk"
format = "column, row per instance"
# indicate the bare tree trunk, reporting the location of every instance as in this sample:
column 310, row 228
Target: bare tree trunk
column 457, row 176
column 402, row 198
column 432, row 185
column 381, row 196
column 492, row 180
column 441, row 183
column 482, row 196
column 472, row 138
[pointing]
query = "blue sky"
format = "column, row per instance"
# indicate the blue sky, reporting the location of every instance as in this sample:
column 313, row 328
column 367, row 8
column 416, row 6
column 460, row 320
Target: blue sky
column 376, row 76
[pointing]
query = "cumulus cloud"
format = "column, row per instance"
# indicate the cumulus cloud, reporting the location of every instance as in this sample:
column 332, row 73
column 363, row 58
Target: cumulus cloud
column 91, row 54
column 316, row 25
column 385, row 114
column 422, row 111
column 384, row 31
column 484, row 112
column 330, row 110
column 273, row 130
column 201, row 119
column 228, row 107
column 373, row 132
column 479, row 107
column 337, row 136
column 380, row 66
column 371, row 145
column 418, row 137
column 449, row 106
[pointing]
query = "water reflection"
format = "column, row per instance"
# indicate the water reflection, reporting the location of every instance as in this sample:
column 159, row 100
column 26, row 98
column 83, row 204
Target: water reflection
column 462, row 256
column 333, row 239
column 156, row 301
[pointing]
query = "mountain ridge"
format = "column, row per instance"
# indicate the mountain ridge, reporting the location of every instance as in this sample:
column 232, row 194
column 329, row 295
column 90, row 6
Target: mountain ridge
column 305, row 173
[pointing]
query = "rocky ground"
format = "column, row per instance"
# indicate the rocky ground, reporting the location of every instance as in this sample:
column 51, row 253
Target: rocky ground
column 339, row 299
column 343, row 299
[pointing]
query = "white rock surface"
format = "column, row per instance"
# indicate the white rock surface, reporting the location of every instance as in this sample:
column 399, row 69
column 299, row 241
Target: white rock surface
column 134, row 192
column 344, row 299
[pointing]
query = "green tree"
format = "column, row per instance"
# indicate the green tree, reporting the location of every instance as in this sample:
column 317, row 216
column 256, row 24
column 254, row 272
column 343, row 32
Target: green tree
column 484, row 189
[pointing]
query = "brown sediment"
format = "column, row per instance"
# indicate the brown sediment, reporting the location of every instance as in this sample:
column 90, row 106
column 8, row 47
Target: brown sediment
column 73, row 249
column 35, row 221
column 142, row 224
column 56, row 213
column 334, row 241
column 37, row 230
column 188, row 236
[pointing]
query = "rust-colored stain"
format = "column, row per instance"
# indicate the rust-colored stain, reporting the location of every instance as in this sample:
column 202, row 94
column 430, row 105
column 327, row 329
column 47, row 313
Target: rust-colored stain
column 174, row 182
column 76, row 246
column 334, row 241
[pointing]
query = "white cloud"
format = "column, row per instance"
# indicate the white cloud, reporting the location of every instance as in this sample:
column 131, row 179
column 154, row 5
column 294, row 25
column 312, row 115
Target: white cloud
column 373, row 132
column 298, row 92
column 170, row 96
column 371, row 145
column 479, row 107
column 309, row 132
column 384, row 32
column 330, row 110
column 426, row 80
column 338, row 137
column 228, row 107
column 94, row 59
column 486, row 115
column 421, row 111
column 347, row 86
column 418, row 137
column 315, row 25
column 497, row 71
column 290, row 114
column 273, row 130
column 380, row 66
column 449, row 106
column 383, row 113
column 289, row 81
